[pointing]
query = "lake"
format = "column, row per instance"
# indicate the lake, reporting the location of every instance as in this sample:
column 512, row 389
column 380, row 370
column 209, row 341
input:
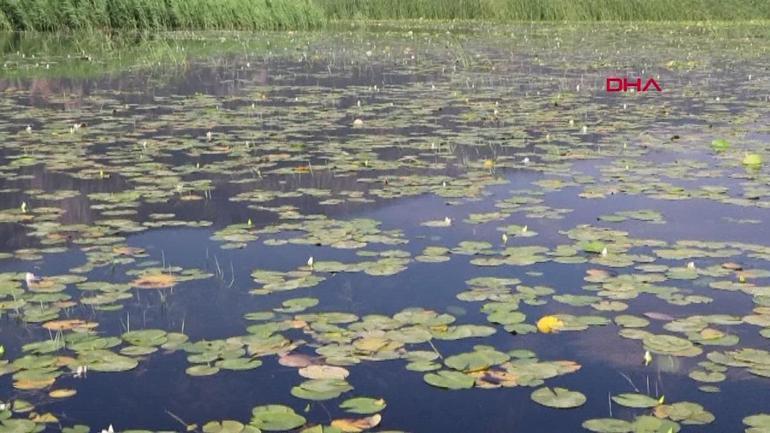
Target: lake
column 391, row 227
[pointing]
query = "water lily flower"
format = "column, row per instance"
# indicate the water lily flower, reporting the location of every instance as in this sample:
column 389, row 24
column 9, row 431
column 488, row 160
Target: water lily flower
column 549, row 324
column 24, row 207
column 108, row 429
column 4, row 406
column 524, row 229
column 505, row 238
column 571, row 122
column 448, row 221
column 525, row 160
column 604, row 252
column 29, row 129
column 310, row 262
column 647, row 357
column 691, row 265
column 585, row 129
column 81, row 371
column 249, row 223
column 209, row 135
column 31, row 278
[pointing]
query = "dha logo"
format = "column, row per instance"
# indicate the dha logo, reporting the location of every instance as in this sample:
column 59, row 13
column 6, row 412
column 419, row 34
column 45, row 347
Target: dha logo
column 615, row 84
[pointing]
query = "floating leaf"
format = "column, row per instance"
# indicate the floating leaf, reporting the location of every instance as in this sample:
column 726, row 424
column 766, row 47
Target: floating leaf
column 363, row 405
column 449, row 379
column 635, row 400
column 560, row 398
column 348, row 425
column 275, row 417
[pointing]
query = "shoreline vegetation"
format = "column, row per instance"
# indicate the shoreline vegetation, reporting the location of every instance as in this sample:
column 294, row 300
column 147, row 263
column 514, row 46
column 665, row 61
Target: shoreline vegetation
column 162, row 15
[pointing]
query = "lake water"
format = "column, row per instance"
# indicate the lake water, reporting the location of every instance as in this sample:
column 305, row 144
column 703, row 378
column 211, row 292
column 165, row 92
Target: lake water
column 454, row 222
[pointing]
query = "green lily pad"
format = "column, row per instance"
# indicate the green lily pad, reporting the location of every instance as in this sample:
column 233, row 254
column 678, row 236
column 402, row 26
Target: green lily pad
column 608, row 425
column 560, row 398
column 449, row 379
column 363, row 405
column 635, row 400
column 275, row 417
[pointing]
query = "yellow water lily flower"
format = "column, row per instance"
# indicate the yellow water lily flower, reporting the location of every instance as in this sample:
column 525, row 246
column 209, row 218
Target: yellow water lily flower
column 549, row 324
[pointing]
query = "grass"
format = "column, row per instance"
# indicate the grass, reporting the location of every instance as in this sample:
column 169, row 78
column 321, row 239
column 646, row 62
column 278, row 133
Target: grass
column 549, row 10
column 57, row 15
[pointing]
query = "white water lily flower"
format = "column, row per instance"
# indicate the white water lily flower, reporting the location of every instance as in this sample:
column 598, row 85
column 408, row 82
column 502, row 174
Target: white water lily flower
column 310, row 261
column 525, row 160
column 647, row 357
column 505, row 238
column 29, row 129
column 604, row 252
column 81, row 371
column 448, row 221
column 31, row 278
column 108, row 429
column 691, row 265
